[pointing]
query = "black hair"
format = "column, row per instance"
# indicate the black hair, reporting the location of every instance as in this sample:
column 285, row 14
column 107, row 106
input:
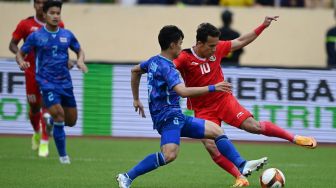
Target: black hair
column 169, row 34
column 206, row 29
column 52, row 3
column 227, row 17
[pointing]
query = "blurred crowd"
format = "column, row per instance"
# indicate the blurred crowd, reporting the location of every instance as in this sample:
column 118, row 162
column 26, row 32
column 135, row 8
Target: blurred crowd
column 244, row 3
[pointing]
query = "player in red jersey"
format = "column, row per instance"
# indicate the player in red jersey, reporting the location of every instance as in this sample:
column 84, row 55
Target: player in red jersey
column 22, row 31
column 200, row 66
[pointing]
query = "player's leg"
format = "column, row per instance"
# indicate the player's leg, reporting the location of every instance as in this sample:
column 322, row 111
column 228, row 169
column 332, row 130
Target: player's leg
column 34, row 108
column 70, row 107
column 199, row 128
column 268, row 128
column 44, row 144
column 236, row 115
column 52, row 100
column 217, row 157
column 170, row 140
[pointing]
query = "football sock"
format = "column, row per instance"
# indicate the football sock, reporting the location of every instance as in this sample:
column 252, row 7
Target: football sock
column 59, row 137
column 35, row 120
column 270, row 129
column 225, row 164
column 227, row 149
column 44, row 127
column 148, row 164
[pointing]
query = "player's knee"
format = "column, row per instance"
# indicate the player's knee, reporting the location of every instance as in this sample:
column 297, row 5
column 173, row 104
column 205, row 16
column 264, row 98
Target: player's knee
column 252, row 126
column 170, row 156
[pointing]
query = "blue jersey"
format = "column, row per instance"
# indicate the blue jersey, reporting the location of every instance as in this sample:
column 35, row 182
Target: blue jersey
column 52, row 56
column 162, row 76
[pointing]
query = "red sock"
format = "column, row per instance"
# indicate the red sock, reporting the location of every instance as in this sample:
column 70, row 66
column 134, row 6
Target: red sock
column 35, row 120
column 44, row 127
column 270, row 129
column 225, row 164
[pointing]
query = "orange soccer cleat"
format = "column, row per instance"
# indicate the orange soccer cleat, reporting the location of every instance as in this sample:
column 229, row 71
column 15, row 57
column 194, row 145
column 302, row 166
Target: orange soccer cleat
column 241, row 181
column 308, row 142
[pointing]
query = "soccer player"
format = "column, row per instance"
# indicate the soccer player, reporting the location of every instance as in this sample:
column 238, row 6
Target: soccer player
column 23, row 29
column 164, row 90
column 51, row 44
column 200, row 66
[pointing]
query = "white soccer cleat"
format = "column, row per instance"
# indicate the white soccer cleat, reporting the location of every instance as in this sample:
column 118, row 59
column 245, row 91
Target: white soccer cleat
column 254, row 165
column 65, row 160
column 123, row 181
column 49, row 125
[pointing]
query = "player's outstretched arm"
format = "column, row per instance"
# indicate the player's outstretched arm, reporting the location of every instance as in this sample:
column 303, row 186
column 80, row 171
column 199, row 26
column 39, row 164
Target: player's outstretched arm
column 197, row 91
column 135, row 84
column 13, row 46
column 247, row 38
column 23, row 65
column 80, row 61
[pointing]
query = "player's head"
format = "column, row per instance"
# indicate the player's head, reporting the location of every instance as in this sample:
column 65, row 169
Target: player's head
column 227, row 17
column 52, row 12
column 207, row 38
column 38, row 6
column 170, row 38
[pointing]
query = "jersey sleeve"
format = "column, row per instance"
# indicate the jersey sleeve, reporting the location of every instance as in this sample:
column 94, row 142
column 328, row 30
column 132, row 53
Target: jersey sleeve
column 19, row 33
column 74, row 44
column 144, row 66
column 179, row 62
column 224, row 48
column 28, row 44
column 171, row 77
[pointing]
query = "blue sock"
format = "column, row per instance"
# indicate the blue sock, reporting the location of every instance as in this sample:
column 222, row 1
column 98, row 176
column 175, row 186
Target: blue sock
column 59, row 137
column 227, row 149
column 148, row 164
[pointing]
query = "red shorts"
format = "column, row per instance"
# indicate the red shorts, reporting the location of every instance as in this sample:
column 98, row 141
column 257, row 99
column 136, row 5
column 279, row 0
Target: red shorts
column 32, row 88
column 227, row 109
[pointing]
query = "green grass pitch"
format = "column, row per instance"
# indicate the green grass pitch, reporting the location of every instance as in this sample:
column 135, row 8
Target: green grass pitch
column 95, row 162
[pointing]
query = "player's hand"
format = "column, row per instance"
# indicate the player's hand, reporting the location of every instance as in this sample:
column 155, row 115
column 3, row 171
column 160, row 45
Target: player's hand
column 71, row 64
column 224, row 86
column 23, row 65
column 82, row 67
column 268, row 20
column 138, row 107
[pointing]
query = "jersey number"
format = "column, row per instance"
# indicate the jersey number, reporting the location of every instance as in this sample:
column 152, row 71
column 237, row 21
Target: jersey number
column 205, row 68
column 54, row 50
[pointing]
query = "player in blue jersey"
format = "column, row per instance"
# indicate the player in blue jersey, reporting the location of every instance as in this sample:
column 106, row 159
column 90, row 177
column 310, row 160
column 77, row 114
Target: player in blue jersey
column 51, row 44
column 164, row 90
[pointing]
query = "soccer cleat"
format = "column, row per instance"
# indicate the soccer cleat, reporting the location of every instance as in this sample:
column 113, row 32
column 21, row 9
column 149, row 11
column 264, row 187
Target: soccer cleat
column 308, row 142
column 253, row 165
column 65, row 160
column 36, row 141
column 241, row 181
column 49, row 125
column 43, row 150
column 124, row 181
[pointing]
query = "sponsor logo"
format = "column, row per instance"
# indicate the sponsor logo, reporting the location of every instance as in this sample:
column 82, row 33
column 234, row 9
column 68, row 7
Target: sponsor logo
column 34, row 28
column 240, row 114
column 63, row 39
column 212, row 58
column 194, row 63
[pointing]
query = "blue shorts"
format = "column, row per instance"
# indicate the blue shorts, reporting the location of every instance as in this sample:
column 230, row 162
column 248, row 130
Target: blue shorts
column 64, row 97
column 181, row 126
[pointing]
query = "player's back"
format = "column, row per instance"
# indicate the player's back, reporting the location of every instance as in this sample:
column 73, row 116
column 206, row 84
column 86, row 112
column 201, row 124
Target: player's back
column 161, row 78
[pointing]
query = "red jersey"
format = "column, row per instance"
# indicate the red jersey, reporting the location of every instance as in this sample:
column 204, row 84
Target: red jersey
column 23, row 30
column 197, row 72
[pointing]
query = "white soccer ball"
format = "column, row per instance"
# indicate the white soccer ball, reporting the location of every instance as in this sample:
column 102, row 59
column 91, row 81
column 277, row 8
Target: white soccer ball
column 272, row 178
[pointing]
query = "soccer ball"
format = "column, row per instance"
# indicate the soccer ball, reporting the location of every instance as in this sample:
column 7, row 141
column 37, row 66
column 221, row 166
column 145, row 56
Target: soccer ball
column 272, row 178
